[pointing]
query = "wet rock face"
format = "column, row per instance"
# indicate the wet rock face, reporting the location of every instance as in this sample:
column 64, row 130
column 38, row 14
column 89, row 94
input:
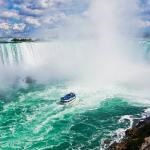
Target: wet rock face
column 107, row 142
column 131, row 132
column 118, row 146
column 146, row 144
column 136, row 138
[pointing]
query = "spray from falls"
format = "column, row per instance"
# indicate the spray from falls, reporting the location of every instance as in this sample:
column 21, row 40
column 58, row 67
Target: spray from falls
column 97, row 47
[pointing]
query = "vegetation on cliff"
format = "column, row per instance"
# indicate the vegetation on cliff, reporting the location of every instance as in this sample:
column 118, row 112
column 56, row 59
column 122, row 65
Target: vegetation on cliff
column 21, row 40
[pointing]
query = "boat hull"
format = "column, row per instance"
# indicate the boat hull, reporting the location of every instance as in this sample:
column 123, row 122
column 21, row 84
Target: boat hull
column 68, row 102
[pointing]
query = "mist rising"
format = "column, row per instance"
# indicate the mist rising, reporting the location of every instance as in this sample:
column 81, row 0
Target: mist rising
column 97, row 47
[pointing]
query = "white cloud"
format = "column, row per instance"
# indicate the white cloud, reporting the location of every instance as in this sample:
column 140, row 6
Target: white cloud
column 16, row 26
column 4, row 26
column 9, row 14
column 49, row 3
column 42, row 3
column 19, row 26
column 28, row 10
column 54, row 18
column 32, row 21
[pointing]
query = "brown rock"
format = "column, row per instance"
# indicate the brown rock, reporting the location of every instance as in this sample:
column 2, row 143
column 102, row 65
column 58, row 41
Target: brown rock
column 136, row 138
column 146, row 144
column 131, row 132
column 118, row 146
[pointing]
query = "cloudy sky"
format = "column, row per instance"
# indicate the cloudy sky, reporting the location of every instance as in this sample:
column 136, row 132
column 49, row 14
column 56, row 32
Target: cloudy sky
column 24, row 17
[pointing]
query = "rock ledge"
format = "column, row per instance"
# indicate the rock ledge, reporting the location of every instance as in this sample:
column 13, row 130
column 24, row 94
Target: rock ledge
column 136, row 138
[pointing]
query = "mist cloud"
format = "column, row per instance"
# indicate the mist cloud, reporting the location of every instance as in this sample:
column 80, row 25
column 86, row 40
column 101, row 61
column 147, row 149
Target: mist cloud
column 97, row 47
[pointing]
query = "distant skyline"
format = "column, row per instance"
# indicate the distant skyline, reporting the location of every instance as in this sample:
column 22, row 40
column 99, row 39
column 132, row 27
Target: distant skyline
column 24, row 17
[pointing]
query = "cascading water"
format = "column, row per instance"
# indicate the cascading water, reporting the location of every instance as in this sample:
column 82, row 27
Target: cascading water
column 10, row 54
column 17, row 54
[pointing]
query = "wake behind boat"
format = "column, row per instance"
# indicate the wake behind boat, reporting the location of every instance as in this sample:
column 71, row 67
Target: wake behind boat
column 69, row 98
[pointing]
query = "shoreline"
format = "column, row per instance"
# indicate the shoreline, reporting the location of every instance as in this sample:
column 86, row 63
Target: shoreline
column 136, row 138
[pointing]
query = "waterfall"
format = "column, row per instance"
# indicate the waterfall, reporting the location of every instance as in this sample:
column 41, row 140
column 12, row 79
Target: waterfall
column 81, row 61
column 55, row 59
column 10, row 54
column 13, row 54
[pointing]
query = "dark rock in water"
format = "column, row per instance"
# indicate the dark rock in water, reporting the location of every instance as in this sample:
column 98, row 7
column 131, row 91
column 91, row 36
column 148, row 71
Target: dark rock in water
column 107, row 142
column 136, row 138
column 118, row 146
column 29, row 80
column 131, row 132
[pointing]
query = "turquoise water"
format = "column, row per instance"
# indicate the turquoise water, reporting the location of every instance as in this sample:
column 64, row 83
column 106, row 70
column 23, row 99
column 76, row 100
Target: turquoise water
column 31, row 118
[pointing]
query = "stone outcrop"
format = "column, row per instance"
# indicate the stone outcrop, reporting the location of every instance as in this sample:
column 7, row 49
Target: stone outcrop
column 146, row 144
column 136, row 138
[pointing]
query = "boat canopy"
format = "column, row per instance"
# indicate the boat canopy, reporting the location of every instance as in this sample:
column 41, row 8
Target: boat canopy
column 68, row 96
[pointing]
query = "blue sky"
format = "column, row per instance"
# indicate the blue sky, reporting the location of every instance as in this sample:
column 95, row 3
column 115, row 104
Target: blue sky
column 23, row 17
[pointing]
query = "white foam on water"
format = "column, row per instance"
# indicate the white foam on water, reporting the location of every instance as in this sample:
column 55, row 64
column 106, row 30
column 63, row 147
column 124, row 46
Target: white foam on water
column 146, row 113
column 127, row 117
